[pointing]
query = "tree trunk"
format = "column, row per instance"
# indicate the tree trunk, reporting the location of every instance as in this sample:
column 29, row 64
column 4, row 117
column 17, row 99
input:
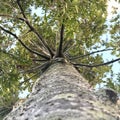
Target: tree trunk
column 61, row 93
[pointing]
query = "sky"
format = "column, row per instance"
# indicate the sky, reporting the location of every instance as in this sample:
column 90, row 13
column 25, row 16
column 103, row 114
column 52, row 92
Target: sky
column 111, row 4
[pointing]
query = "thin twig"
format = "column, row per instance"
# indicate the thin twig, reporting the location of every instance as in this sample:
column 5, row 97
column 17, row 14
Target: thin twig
column 34, row 69
column 10, row 16
column 39, row 48
column 39, row 60
column 97, row 65
column 67, row 45
column 81, row 56
column 41, row 68
column 25, row 34
column 30, row 50
column 29, row 78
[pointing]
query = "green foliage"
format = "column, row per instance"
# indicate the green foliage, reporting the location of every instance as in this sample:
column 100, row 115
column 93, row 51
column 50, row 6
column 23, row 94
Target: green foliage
column 84, row 23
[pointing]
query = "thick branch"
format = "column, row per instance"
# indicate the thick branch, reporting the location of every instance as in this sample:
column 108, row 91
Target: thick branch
column 97, row 65
column 60, row 49
column 81, row 56
column 34, row 30
column 14, row 35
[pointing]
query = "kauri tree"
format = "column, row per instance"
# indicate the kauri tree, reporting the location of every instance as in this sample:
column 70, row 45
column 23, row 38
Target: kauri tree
column 46, row 47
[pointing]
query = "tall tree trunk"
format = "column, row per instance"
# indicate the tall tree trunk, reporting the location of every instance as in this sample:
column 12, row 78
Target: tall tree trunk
column 61, row 93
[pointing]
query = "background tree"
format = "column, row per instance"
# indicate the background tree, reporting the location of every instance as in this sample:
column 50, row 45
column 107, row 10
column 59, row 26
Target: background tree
column 35, row 32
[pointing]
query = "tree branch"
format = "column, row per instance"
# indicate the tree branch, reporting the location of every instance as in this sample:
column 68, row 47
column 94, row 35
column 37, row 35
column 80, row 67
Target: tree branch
column 77, row 57
column 34, row 30
column 60, row 49
column 30, row 50
column 39, row 47
column 67, row 45
column 39, row 60
column 27, row 80
column 41, row 67
column 97, row 65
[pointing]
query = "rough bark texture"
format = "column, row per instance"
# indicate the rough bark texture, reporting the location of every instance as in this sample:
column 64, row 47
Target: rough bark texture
column 61, row 93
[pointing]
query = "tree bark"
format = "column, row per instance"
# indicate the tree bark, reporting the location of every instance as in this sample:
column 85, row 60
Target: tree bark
column 61, row 93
